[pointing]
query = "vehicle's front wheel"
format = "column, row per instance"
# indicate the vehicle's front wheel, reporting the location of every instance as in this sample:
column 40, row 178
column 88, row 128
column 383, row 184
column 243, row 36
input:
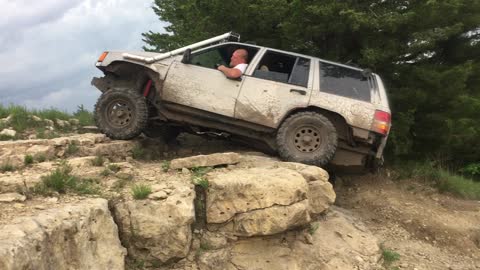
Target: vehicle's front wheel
column 121, row 115
column 307, row 137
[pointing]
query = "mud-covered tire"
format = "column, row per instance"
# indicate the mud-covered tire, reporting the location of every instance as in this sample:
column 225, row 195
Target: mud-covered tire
column 121, row 115
column 307, row 137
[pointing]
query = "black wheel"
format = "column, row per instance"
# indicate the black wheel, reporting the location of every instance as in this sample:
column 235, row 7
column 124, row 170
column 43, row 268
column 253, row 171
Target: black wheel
column 121, row 115
column 307, row 137
column 169, row 133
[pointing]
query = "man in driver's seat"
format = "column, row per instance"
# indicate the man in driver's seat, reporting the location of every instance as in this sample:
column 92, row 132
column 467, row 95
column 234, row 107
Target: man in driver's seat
column 238, row 64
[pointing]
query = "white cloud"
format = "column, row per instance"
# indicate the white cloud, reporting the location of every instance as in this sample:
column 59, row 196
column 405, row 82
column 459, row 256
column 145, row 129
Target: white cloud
column 48, row 57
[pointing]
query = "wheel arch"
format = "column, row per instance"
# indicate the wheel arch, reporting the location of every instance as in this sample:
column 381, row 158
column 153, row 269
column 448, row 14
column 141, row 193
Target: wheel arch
column 124, row 74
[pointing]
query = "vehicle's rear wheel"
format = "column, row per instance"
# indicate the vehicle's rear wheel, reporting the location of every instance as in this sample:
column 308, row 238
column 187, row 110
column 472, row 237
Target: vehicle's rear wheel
column 121, row 115
column 307, row 137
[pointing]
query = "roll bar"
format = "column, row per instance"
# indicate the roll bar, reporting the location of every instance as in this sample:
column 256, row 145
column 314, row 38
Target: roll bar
column 159, row 57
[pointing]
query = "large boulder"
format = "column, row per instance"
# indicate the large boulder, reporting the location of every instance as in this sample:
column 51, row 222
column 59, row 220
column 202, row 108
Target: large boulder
column 77, row 236
column 271, row 220
column 257, row 201
column 243, row 190
column 337, row 242
column 320, row 196
column 157, row 231
column 205, row 160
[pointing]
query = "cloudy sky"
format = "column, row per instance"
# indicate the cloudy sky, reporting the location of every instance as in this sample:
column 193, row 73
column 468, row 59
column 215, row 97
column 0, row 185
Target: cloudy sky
column 48, row 48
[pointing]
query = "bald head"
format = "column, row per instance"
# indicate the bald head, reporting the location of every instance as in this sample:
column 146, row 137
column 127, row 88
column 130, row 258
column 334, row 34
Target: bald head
column 239, row 56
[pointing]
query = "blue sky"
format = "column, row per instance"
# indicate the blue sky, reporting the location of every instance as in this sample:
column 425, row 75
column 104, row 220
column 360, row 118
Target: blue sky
column 48, row 48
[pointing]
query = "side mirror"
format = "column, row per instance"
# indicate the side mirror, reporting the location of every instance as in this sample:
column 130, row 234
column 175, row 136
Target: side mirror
column 187, row 54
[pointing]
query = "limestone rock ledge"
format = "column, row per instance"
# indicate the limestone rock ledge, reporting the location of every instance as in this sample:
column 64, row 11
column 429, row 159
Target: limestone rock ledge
column 80, row 235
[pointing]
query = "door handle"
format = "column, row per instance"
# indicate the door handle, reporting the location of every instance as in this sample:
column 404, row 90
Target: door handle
column 301, row 92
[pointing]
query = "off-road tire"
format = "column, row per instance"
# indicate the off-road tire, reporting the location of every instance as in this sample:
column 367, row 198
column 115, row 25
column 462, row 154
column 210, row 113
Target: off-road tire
column 121, row 115
column 168, row 133
column 307, row 137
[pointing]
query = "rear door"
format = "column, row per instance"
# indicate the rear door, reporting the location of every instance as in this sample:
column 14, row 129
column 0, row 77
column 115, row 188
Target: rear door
column 279, row 83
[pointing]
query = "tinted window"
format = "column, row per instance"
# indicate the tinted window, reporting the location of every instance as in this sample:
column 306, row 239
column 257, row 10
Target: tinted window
column 283, row 68
column 344, row 82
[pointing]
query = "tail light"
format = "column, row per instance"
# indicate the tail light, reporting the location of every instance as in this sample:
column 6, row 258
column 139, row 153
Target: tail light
column 381, row 122
column 102, row 57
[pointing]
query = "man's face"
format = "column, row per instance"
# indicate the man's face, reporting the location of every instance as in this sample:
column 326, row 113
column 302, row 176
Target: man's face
column 236, row 59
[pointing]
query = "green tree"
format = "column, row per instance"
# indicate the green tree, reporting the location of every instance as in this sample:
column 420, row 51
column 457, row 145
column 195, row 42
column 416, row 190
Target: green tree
column 427, row 51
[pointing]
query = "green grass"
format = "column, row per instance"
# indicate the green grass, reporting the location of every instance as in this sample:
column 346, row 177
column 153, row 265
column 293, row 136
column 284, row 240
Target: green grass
column 98, row 161
column 40, row 158
column 165, row 165
column 7, row 167
column 198, row 176
column 114, row 168
column 445, row 180
column 22, row 120
column 138, row 153
column 84, row 117
column 28, row 160
column 123, row 180
column 141, row 192
column 72, row 148
column 62, row 181
column 458, row 185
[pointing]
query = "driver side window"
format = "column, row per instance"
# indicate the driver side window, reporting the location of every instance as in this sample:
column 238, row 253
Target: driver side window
column 208, row 58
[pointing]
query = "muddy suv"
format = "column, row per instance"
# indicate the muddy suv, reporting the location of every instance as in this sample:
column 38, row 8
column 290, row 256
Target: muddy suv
column 306, row 109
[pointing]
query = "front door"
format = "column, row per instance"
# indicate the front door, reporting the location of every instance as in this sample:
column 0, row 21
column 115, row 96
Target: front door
column 278, row 84
column 200, row 85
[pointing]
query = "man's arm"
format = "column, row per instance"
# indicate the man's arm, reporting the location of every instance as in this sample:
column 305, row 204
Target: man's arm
column 232, row 73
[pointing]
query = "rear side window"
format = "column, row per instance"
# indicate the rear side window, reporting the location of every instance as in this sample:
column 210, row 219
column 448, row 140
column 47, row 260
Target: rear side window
column 283, row 68
column 344, row 81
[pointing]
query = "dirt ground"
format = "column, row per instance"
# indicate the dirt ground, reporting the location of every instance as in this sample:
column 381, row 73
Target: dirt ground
column 427, row 229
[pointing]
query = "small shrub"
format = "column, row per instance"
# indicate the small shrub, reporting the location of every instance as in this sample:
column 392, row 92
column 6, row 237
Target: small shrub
column 59, row 179
column 200, row 181
column 122, row 181
column 87, row 186
column 6, row 138
column 28, row 160
column 98, row 161
column 106, row 172
column 389, row 256
column 141, row 192
column 313, row 228
column 114, row 168
column 7, row 167
column 72, row 149
column 198, row 176
column 165, row 165
column 472, row 170
column 62, row 181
